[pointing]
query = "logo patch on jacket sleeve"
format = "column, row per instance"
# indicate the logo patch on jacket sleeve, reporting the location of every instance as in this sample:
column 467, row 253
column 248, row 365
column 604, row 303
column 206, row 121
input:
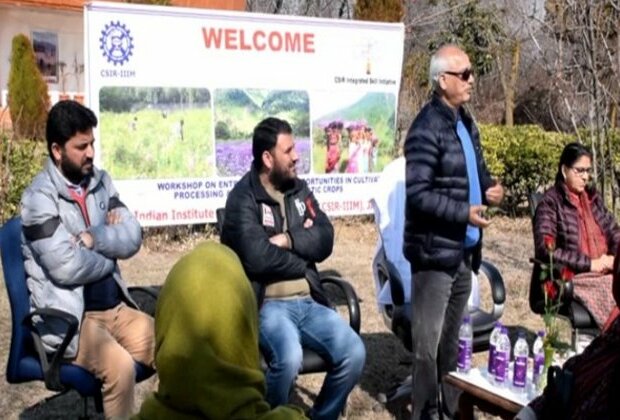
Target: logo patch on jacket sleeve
column 301, row 207
column 268, row 219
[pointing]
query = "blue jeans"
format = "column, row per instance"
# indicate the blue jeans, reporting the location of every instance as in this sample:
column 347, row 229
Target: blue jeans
column 439, row 300
column 286, row 326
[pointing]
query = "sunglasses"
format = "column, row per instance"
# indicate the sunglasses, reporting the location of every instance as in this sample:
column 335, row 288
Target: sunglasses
column 463, row 75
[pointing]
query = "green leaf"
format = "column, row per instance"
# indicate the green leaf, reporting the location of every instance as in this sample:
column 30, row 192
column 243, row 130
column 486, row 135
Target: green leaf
column 544, row 275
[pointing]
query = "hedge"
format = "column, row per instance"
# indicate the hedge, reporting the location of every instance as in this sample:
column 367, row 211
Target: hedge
column 20, row 161
column 524, row 158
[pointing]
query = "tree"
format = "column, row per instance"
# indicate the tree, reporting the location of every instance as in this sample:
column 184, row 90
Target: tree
column 430, row 24
column 379, row 10
column 27, row 97
column 340, row 9
column 475, row 29
column 585, row 71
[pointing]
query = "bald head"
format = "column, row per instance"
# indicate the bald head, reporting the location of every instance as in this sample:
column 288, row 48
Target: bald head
column 450, row 72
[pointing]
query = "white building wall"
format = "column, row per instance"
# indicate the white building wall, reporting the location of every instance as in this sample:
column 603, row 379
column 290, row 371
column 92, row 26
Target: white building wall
column 69, row 28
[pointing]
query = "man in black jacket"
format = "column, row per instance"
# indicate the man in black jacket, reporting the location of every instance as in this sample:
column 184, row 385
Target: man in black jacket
column 448, row 188
column 275, row 225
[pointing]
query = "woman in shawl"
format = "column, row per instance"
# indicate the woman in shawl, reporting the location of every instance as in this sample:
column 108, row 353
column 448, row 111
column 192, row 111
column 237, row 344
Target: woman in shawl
column 586, row 234
column 207, row 357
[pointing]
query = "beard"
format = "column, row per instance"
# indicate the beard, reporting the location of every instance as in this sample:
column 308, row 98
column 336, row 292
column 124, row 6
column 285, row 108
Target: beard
column 76, row 173
column 281, row 178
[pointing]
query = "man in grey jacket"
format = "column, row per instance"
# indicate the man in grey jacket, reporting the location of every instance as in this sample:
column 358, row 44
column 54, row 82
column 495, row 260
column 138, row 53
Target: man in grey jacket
column 75, row 228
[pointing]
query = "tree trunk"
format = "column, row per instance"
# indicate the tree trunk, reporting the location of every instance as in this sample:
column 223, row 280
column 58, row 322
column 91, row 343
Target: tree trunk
column 511, row 86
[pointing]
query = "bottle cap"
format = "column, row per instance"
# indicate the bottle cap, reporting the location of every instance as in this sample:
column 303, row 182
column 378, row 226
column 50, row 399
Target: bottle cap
column 467, row 319
column 541, row 333
column 521, row 334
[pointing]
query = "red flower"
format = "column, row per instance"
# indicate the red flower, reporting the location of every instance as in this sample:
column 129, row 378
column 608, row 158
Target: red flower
column 566, row 274
column 550, row 289
column 549, row 242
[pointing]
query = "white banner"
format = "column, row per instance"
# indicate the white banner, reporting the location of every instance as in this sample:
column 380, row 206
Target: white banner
column 178, row 92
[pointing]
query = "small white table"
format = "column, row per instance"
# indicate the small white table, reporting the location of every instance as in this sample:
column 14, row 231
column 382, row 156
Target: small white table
column 478, row 391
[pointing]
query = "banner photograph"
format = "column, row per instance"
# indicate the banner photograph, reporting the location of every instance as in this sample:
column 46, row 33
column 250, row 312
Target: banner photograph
column 178, row 92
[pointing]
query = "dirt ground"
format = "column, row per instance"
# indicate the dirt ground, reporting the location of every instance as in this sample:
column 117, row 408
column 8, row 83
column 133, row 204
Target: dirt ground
column 507, row 243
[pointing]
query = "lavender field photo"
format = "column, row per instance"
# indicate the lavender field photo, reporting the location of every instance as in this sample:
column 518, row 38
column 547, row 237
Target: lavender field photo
column 236, row 113
column 234, row 157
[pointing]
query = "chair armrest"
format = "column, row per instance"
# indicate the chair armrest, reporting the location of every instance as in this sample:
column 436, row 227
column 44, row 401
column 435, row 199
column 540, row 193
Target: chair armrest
column 396, row 283
column 567, row 296
column 152, row 291
column 353, row 304
column 498, row 290
column 51, row 369
column 387, row 273
column 145, row 297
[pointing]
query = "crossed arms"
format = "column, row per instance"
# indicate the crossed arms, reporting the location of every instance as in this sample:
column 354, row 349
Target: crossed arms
column 277, row 256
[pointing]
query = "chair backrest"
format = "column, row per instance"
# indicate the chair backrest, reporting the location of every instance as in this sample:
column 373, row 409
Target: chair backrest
column 534, row 199
column 385, row 273
column 219, row 219
column 15, row 279
column 389, row 208
column 536, row 296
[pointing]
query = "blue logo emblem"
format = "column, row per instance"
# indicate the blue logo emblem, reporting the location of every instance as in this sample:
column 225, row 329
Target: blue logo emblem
column 116, row 43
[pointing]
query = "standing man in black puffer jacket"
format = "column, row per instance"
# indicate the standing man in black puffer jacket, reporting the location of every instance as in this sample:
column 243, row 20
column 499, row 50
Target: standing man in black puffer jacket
column 448, row 188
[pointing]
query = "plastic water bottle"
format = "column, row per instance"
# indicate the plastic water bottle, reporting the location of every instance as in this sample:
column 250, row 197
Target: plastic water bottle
column 521, row 353
column 493, row 340
column 466, row 337
column 538, row 351
column 502, row 358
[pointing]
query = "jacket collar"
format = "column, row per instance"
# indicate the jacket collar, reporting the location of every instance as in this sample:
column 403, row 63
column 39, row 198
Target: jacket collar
column 259, row 191
column 60, row 182
column 563, row 191
column 449, row 113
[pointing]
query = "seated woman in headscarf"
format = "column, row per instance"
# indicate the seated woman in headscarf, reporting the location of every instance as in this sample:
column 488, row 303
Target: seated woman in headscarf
column 585, row 232
column 207, row 358
column 591, row 378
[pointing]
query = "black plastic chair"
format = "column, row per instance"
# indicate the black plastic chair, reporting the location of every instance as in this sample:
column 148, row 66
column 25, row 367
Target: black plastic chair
column 580, row 319
column 312, row 362
column 28, row 361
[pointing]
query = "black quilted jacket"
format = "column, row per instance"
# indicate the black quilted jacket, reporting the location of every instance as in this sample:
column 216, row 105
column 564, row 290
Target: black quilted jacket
column 252, row 217
column 438, row 189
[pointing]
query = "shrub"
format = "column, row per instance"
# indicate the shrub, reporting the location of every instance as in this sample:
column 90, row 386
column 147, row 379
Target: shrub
column 20, row 161
column 222, row 131
column 524, row 158
column 28, row 97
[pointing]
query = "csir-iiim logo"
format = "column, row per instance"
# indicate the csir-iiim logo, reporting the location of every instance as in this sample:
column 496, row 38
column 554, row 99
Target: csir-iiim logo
column 116, row 43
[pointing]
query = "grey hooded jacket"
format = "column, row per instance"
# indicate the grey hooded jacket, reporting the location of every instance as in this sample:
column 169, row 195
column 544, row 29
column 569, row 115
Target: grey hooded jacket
column 57, row 267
